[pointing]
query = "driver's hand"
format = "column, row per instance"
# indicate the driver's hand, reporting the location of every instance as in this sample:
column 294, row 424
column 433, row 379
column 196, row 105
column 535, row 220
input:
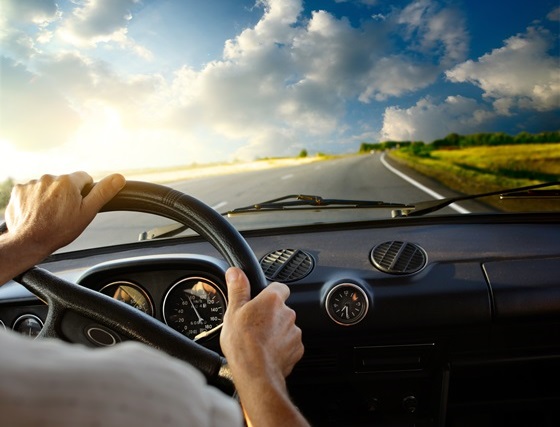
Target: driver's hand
column 50, row 212
column 259, row 335
column 262, row 344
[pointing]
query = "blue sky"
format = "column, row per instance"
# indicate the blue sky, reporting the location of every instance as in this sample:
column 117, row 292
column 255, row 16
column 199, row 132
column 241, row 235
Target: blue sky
column 123, row 84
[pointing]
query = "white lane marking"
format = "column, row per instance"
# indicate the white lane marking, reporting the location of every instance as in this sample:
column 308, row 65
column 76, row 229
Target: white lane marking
column 291, row 175
column 219, row 205
column 425, row 189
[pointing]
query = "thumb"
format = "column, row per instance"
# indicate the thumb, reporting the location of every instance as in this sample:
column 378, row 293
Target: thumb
column 103, row 191
column 239, row 289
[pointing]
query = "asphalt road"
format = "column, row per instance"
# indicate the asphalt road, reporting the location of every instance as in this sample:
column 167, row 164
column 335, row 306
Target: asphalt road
column 365, row 177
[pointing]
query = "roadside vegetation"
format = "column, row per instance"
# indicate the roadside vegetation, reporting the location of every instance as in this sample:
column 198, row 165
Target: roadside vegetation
column 488, row 168
column 454, row 141
column 5, row 191
column 486, row 162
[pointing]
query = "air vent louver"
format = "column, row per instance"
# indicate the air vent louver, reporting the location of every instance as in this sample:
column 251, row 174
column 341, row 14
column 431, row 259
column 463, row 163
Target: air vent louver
column 287, row 265
column 314, row 363
column 398, row 257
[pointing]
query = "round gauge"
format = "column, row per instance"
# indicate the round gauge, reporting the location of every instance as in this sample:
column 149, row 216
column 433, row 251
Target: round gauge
column 347, row 304
column 194, row 307
column 29, row 325
column 131, row 294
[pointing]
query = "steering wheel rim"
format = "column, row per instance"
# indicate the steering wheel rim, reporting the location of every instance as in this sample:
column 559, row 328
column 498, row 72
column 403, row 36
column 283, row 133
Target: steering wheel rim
column 164, row 201
column 64, row 297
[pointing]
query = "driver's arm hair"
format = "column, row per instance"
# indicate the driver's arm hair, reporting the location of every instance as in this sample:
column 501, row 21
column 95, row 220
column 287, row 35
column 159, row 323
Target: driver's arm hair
column 16, row 256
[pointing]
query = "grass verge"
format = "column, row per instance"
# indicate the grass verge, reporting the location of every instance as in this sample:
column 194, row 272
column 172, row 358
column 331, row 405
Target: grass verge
column 491, row 168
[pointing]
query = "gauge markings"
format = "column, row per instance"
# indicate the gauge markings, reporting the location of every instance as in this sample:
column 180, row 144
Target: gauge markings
column 131, row 294
column 194, row 307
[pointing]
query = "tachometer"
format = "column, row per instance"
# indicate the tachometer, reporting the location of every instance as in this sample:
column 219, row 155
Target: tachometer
column 195, row 307
column 131, row 294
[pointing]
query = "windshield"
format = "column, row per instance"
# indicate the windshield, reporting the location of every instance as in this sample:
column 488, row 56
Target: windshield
column 241, row 102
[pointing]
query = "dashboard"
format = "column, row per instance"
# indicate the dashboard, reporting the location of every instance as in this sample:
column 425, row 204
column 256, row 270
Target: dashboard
column 414, row 321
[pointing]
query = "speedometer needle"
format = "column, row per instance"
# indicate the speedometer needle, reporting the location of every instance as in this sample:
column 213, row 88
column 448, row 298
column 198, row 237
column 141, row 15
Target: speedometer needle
column 204, row 334
column 200, row 319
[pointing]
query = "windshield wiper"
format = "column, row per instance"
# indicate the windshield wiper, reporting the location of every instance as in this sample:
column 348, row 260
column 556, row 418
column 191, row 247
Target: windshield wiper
column 295, row 202
column 428, row 206
column 290, row 202
column 309, row 202
column 163, row 232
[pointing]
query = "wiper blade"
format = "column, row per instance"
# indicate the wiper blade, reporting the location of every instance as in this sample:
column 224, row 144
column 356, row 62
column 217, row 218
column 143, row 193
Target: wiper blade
column 532, row 194
column 310, row 202
column 428, row 206
column 290, row 202
column 163, row 232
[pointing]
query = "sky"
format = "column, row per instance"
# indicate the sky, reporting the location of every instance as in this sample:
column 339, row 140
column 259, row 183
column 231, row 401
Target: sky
column 115, row 85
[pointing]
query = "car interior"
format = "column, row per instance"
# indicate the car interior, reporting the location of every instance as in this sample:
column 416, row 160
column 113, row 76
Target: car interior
column 445, row 320
column 395, row 163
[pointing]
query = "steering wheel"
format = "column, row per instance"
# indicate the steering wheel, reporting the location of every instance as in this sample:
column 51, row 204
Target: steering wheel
column 66, row 300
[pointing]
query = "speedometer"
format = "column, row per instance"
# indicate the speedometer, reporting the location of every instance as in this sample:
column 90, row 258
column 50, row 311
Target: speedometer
column 195, row 307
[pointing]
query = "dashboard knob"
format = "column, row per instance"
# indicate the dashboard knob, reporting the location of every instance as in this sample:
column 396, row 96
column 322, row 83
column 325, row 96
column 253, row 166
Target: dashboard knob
column 410, row 404
column 372, row 404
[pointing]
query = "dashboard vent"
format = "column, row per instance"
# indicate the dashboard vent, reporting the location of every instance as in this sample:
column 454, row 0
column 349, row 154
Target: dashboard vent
column 314, row 363
column 287, row 265
column 398, row 257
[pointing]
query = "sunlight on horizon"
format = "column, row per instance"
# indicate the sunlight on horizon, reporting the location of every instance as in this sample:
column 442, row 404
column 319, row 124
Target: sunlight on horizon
column 101, row 145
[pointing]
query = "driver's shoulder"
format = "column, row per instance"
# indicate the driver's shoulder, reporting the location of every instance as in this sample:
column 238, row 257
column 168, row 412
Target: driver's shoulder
column 129, row 383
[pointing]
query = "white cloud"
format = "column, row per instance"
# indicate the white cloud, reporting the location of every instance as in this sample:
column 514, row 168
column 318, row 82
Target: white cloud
column 554, row 14
column 79, row 114
column 277, row 84
column 519, row 77
column 69, row 93
column 286, row 80
column 102, row 21
column 434, row 30
column 99, row 20
column 394, row 76
column 17, row 44
column 24, row 119
column 521, row 74
column 29, row 11
column 81, row 79
column 427, row 121
column 366, row 2
column 35, row 14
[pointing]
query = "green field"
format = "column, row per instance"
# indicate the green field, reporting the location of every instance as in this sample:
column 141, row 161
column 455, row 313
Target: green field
column 488, row 168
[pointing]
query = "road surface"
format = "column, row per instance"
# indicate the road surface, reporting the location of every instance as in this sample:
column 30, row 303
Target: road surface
column 364, row 177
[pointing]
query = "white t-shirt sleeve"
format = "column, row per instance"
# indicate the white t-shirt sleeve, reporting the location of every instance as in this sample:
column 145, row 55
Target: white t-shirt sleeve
column 51, row 383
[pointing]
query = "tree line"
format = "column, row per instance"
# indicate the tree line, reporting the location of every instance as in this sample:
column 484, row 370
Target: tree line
column 454, row 140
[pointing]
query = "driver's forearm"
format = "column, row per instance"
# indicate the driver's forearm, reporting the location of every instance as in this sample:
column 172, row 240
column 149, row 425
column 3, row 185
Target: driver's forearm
column 16, row 256
column 268, row 404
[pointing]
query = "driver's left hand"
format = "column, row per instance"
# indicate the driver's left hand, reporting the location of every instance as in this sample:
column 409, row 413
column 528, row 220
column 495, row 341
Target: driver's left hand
column 47, row 214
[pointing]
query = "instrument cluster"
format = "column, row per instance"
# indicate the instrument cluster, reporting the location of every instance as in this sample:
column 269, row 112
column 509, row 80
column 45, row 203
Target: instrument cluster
column 193, row 305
